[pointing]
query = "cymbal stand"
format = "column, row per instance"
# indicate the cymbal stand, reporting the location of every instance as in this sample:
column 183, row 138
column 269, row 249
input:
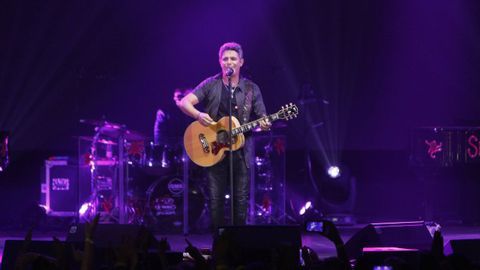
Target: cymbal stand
column 121, row 179
column 93, row 170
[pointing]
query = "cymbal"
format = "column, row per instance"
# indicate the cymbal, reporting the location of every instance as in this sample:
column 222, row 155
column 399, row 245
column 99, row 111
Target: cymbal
column 100, row 140
column 129, row 135
column 105, row 141
column 132, row 135
column 102, row 123
column 113, row 130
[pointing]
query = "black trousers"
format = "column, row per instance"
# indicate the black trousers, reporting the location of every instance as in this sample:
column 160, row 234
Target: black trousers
column 218, row 177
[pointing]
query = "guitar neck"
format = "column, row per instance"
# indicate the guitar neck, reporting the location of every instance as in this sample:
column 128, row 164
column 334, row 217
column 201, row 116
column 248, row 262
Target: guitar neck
column 251, row 125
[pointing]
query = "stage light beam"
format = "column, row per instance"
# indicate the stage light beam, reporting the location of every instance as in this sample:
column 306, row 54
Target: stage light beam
column 333, row 171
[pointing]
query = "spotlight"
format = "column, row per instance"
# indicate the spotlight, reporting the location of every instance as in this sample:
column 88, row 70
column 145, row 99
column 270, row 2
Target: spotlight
column 304, row 208
column 87, row 211
column 44, row 207
column 308, row 212
column 333, row 171
column 84, row 208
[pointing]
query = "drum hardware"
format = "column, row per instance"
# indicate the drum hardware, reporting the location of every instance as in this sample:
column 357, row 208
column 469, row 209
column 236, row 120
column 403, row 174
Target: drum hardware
column 149, row 196
column 267, row 190
column 265, row 187
column 136, row 207
column 4, row 158
column 114, row 143
column 136, row 151
column 264, row 210
column 113, row 130
column 267, row 174
column 163, row 159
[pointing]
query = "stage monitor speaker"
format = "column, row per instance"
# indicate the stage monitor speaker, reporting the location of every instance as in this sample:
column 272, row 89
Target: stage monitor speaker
column 107, row 235
column 260, row 242
column 12, row 248
column 470, row 248
column 408, row 259
column 410, row 234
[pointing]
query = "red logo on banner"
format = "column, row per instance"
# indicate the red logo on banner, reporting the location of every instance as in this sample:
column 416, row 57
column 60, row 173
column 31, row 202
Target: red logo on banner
column 433, row 148
column 474, row 150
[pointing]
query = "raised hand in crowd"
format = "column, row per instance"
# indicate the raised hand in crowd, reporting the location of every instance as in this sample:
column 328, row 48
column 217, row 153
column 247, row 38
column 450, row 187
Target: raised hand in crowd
column 144, row 240
column 60, row 253
column 200, row 261
column 330, row 231
column 310, row 257
column 90, row 228
column 437, row 246
column 24, row 259
column 88, row 252
column 220, row 250
column 126, row 254
column 163, row 247
column 32, row 260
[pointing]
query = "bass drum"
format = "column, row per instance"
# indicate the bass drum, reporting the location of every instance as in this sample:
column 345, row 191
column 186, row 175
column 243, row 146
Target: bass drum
column 165, row 205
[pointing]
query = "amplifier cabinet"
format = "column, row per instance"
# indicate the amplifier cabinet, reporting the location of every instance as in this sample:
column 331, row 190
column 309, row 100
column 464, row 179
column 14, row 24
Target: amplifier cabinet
column 61, row 190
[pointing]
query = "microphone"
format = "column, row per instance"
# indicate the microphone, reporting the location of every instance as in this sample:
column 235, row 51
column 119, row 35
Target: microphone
column 229, row 72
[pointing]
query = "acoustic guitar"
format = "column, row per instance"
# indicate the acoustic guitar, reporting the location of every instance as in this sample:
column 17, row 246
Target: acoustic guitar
column 206, row 146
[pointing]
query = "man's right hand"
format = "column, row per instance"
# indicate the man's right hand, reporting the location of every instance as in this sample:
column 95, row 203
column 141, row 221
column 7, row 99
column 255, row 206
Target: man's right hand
column 205, row 119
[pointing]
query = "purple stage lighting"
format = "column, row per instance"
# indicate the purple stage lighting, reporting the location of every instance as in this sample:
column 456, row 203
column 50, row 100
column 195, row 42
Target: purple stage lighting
column 333, row 171
column 4, row 158
column 304, row 208
column 44, row 207
column 87, row 211
column 83, row 209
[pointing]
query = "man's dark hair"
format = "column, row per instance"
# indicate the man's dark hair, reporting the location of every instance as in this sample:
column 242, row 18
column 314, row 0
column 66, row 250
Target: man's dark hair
column 231, row 46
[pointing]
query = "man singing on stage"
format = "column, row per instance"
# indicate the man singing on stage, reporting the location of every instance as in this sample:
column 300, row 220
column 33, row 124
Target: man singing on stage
column 247, row 99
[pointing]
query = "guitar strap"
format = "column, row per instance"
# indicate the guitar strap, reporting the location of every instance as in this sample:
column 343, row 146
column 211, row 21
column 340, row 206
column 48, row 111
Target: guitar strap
column 247, row 106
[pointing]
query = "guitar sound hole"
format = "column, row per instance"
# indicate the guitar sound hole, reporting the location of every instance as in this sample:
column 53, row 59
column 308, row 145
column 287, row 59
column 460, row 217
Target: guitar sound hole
column 222, row 138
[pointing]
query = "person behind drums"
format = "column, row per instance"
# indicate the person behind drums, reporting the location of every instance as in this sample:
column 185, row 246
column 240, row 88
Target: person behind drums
column 157, row 127
column 163, row 129
column 167, row 133
column 214, row 93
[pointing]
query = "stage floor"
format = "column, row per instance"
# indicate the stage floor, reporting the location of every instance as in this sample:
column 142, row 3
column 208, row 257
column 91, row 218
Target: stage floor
column 320, row 244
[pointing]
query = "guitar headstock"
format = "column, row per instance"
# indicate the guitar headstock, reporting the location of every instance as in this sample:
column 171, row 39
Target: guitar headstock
column 288, row 111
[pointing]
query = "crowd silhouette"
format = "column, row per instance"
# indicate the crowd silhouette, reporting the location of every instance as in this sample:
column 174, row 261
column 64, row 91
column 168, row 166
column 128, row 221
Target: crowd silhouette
column 142, row 253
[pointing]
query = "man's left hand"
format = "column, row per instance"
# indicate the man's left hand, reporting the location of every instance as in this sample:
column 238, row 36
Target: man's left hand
column 265, row 124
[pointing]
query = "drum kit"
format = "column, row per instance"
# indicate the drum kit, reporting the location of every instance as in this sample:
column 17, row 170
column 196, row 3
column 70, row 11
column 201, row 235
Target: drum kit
column 132, row 180
column 135, row 181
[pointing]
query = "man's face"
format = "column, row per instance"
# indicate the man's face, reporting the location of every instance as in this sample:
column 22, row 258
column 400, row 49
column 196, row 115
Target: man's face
column 231, row 59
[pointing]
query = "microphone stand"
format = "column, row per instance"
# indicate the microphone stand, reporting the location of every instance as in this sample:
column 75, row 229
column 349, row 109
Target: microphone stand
column 230, row 141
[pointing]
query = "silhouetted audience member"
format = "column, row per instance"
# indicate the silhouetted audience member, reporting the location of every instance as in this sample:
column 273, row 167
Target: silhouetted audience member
column 312, row 260
column 133, row 254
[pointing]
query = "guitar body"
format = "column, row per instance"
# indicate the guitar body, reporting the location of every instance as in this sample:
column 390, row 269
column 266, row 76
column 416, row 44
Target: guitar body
column 206, row 146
